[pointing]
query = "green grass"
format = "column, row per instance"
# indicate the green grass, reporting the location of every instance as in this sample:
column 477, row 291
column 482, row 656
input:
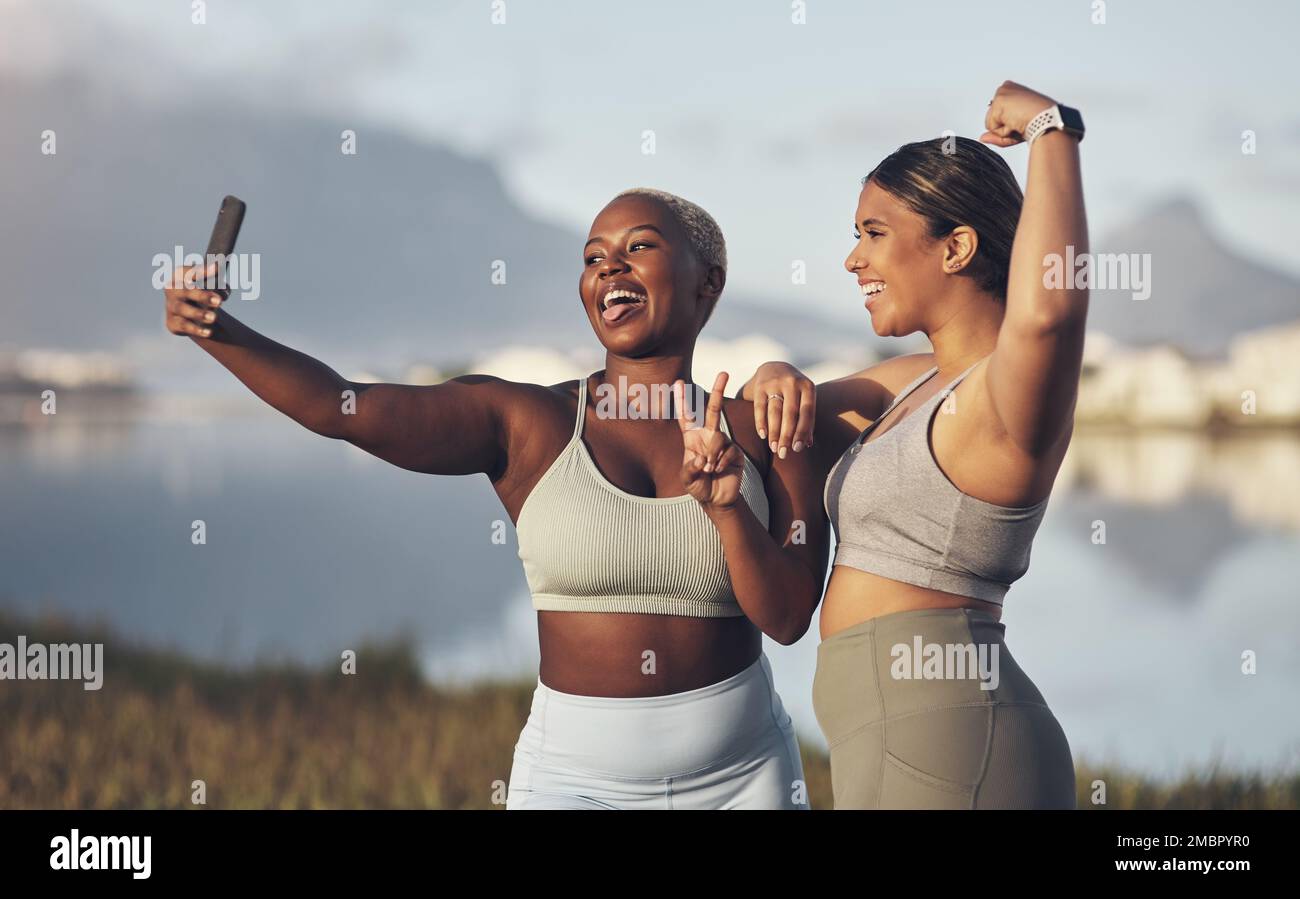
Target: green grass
column 280, row 736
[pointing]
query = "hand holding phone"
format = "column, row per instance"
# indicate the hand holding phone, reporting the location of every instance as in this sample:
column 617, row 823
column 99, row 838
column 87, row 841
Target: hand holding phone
column 196, row 292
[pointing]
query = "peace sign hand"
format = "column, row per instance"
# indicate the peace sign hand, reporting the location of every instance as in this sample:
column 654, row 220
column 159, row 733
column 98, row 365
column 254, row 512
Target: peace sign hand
column 712, row 465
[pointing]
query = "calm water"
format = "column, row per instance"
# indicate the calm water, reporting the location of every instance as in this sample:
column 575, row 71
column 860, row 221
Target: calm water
column 313, row 546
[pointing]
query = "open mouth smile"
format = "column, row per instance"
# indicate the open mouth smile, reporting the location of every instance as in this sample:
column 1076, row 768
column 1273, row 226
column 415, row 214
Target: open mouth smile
column 618, row 303
column 871, row 290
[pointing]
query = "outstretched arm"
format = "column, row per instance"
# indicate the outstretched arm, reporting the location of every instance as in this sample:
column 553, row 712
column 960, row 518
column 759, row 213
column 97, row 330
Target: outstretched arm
column 450, row 428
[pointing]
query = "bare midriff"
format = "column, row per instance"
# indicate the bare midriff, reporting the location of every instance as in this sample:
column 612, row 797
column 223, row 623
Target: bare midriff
column 626, row 655
column 854, row 596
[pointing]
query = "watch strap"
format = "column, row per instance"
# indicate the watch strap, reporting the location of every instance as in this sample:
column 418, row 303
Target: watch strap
column 1047, row 120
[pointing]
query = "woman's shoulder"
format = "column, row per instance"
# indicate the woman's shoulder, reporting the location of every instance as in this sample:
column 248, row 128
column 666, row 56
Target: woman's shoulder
column 895, row 372
column 863, row 395
column 526, row 406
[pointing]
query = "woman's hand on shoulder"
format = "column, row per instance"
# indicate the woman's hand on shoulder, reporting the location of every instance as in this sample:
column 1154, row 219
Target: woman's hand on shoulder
column 785, row 407
column 789, row 409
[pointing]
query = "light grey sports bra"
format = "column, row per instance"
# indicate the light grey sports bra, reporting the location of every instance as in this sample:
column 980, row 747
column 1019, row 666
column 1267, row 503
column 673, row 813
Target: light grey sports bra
column 896, row 514
column 589, row 546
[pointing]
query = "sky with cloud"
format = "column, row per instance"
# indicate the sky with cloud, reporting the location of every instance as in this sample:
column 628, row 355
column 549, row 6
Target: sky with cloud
column 767, row 123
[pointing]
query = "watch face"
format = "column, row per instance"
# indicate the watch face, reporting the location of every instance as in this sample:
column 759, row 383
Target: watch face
column 1071, row 119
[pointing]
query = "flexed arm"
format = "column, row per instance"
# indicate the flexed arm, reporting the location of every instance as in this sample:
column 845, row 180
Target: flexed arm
column 777, row 573
column 1033, row 374
column 450, row 428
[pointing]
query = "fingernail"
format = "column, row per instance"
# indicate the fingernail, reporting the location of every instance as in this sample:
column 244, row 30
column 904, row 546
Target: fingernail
column 708, row 466
column 206, row 332
column 762, row 434
column 210, row 317
column 216, row 301
column 772, row 444
column 782, row 453
column 798, row 446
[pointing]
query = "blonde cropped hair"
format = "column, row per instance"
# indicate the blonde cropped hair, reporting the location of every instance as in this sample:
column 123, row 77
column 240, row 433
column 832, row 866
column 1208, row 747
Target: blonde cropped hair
column 701, row 228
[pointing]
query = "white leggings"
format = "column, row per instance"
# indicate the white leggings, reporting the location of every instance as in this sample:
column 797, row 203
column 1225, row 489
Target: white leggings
column 728, row 745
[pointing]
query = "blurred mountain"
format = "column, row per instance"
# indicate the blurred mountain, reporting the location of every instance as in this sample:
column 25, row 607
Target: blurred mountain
column 1202, row 294
column 387, row 255
column 383, row 255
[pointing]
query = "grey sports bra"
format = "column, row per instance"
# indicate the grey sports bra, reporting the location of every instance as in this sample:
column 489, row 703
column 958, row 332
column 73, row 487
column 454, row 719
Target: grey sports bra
column 588, row 546
column 896, row 514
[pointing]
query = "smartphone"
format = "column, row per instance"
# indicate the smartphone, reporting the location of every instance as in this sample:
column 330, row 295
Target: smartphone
column 224, row 233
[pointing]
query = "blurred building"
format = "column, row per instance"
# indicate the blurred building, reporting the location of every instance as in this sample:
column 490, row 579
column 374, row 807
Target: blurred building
column 80, row 385
column 1161, row 386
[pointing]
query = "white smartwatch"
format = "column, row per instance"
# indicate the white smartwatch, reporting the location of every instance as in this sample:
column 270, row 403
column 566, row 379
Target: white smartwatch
column 1065, row 118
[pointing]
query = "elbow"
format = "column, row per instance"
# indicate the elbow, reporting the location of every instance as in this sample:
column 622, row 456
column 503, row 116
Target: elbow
column 336, row 416
column 791, row 630
column 331, row 426
column 790, row 635
column 800, row 604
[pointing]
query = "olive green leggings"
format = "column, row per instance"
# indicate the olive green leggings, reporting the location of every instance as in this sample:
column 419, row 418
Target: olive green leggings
column 927, row 709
